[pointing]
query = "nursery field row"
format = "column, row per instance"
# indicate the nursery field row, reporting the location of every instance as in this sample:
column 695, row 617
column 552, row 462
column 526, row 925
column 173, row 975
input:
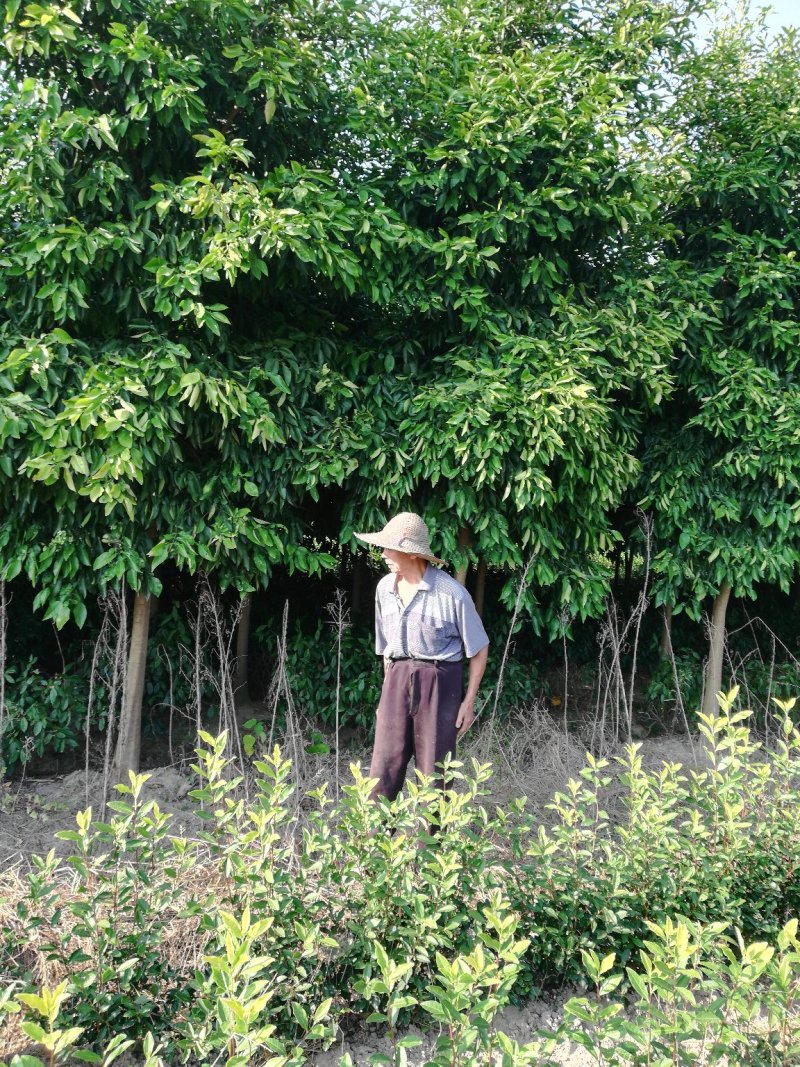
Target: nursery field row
column 293, row 919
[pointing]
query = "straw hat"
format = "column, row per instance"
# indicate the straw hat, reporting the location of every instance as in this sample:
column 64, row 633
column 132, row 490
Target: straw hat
column 406, row 532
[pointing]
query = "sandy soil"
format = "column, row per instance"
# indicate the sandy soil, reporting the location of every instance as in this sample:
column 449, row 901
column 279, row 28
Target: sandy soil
column 519, row 1023
column 32, row 810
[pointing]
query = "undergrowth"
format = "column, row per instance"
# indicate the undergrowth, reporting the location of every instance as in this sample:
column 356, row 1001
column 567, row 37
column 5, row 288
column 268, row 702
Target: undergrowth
column 291, row 918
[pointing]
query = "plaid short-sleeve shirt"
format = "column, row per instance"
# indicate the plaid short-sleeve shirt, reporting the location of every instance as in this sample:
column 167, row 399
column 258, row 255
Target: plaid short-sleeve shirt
column 439, row 623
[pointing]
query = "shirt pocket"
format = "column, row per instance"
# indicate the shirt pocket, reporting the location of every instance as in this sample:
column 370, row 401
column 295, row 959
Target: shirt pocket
column 431, row 638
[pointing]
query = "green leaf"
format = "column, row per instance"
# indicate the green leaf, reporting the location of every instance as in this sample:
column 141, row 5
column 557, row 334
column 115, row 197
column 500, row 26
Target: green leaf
column 34, row 1031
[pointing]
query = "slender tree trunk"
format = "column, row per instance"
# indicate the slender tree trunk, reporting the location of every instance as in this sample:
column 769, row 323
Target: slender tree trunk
column 130, row 724
column 480, row 586
column 716, row 651
column 665, row 644
column 358, row 585
column 3, row 623
column 628, row 568
column 241, row 683
column 464, row 542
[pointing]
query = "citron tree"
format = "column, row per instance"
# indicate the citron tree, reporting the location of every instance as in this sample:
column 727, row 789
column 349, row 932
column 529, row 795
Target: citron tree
column 140, row 407
column 722, row 465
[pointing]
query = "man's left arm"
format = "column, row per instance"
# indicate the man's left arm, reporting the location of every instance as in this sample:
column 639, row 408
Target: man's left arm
column 466, row 712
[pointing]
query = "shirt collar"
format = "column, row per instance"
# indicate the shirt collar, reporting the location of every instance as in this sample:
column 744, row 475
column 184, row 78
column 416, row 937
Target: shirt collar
column 425, row 582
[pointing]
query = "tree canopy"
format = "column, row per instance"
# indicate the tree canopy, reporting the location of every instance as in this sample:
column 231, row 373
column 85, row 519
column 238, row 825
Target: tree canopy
column 271, row 272
column 722, row 463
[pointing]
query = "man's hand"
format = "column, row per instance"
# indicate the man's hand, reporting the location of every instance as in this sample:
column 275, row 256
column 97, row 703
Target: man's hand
column 466, row 711
column 466, row 716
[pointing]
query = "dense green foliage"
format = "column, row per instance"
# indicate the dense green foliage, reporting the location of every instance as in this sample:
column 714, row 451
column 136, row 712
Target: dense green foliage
column 253, row 253
column 299, row 913
column 269, row 272
column 312, row 660
column 702, row 997
column 128, row 417
column 721, row 463
column 45, row 713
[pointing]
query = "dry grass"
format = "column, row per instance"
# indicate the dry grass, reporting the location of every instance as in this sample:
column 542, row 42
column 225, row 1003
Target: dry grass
column 35, row 949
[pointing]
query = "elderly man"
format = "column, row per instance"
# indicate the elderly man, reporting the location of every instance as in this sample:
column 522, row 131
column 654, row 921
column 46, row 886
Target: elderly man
column 425, row 626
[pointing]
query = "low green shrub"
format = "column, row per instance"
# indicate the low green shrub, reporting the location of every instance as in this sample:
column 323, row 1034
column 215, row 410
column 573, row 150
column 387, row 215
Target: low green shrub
column 311, row 665
column 661, row 691
column 288, row 917
column 700, row 997
column 720, row 843
column 169, row 672
column 757, row 678
column 46, row 713
column 42, row 713
column 767, row 680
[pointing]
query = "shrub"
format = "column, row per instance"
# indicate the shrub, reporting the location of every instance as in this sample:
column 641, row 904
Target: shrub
column 43, row 713
column 699, row 998
column 702, row 997
column 288, row 916
column 311, row 664
column 771, row 680
column 168, row 675
column 715, row 844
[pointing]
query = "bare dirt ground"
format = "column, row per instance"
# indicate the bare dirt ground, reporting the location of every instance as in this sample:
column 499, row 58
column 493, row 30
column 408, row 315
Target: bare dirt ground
column 32, row 810
column 519, row 1023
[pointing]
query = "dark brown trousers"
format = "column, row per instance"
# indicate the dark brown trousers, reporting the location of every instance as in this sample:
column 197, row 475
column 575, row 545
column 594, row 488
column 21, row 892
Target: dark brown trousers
column 416, row 717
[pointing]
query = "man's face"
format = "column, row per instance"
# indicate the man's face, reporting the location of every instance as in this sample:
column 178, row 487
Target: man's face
column 397, row 562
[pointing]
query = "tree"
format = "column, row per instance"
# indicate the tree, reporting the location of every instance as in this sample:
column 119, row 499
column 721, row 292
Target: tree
column 273, row 271
column 135, row 422
column 523, row 346
column 722, row 464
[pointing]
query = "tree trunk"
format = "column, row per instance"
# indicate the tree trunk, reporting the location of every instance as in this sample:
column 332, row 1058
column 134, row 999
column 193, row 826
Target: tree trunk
column 480, row 586
column 130, row 724
column 716, row 651
column 3, row 626
column 464, row 541
column 665, row 644
column 241, row 687
column 358, row 585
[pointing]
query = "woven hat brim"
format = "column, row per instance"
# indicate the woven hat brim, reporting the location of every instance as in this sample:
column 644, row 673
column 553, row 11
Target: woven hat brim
column 385, row 542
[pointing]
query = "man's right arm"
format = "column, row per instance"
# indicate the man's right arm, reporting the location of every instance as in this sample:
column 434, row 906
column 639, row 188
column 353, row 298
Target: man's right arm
column 380, row 636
